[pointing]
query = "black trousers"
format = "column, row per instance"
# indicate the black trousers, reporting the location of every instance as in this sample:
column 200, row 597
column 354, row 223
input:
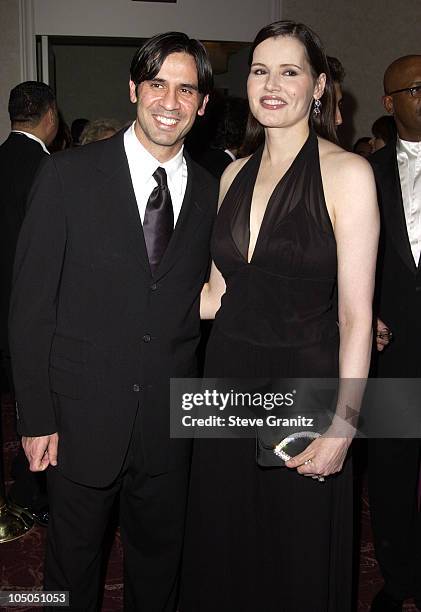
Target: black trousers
column 152, row 514
column 393, row 471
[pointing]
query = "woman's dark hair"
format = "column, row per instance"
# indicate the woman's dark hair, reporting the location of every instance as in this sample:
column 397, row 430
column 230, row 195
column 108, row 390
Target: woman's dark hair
column 324, row 123
column 63, row 138
column 149, row 58
column 385, row 128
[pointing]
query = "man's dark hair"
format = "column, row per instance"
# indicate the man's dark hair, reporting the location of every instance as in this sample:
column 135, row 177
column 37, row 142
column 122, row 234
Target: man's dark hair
column 78, row 125
column 385, row 128
column 362, row 140
column 148, row 59
column 337, row 71
column 29, row 101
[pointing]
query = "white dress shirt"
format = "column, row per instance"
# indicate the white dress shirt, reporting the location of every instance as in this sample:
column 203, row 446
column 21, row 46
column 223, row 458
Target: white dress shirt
column 32, row 137
column 142, row 165
column 409, row 164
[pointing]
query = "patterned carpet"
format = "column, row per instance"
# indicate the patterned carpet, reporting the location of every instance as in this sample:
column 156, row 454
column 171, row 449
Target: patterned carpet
column 21, row 560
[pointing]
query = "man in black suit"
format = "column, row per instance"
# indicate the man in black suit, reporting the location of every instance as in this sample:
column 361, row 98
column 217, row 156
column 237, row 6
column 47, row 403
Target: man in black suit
column 105, row 309
column 394, row 464
column 33, row 116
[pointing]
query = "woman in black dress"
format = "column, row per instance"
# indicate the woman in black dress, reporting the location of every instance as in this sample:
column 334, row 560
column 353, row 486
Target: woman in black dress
column 294, row 247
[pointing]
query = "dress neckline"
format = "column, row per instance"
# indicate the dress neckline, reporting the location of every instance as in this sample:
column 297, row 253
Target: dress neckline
column 257, row 158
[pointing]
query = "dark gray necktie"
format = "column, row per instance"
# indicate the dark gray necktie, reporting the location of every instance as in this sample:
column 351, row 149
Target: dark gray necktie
column 158, row 224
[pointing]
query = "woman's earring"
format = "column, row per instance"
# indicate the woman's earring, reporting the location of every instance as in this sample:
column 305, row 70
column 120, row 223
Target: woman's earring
column 316, row 108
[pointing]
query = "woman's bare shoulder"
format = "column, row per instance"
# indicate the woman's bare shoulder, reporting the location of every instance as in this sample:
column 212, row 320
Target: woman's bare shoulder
column 342, row 166
column 229, row 175
column 348, row 184
column 233, row 169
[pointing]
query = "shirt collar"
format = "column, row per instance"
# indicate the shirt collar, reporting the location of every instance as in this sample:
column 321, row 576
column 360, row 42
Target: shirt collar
column 32, row 137
column 412, row 149
column 230, row 154
column 149, row 163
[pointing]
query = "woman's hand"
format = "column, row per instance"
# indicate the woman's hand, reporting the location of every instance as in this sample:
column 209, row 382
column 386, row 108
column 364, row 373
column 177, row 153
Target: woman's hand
column 383, row 335
column 323, row 457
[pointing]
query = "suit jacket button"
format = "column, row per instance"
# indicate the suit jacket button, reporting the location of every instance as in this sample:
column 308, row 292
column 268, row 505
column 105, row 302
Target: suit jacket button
column 418, row 288
column 154, row 286
column 136, row 388
column 146, row 338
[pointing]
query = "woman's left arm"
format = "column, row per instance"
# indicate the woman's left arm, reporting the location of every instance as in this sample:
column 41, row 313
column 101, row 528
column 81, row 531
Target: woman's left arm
column 355, row 220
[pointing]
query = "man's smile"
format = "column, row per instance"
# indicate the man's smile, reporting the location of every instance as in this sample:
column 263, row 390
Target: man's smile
column 166, row 121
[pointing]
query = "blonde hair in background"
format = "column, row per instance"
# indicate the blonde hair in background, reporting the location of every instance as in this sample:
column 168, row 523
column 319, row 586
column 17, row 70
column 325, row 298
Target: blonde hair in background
column 99, row 129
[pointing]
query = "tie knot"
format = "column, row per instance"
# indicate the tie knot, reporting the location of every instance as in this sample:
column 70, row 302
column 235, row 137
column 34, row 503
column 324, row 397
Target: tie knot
column 161, row 177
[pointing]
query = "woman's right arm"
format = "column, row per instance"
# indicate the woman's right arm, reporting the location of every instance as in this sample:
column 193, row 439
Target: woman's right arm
column 214, row 289
column 212, row 292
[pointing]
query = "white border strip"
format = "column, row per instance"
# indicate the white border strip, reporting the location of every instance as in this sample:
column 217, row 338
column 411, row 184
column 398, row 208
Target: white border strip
column 27, row 42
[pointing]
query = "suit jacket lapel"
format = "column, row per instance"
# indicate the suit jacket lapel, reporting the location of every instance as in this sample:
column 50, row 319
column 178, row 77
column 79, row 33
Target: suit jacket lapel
column 118, row 189
column 392, row 205
column 191, row 215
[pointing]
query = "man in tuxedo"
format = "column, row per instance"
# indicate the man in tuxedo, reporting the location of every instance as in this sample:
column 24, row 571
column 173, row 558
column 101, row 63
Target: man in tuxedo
column 105, row 310
column 394, row 463
column 33, row 116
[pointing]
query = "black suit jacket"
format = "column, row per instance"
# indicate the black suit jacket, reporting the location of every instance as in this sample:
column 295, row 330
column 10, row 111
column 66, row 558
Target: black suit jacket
column 398, row 287
column 20, row 158
column 93, row 335
column 215, row 161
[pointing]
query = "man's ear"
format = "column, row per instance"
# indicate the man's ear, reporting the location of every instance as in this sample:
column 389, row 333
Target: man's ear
column 202, row 107
column 133, row 94
column 388, row 104
column 52, row 115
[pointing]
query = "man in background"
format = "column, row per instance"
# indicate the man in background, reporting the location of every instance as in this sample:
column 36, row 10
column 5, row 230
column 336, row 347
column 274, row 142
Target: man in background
column 337, row 73
column 34, row 122
column 394, row 463
column 228, row 120
column 77, row 127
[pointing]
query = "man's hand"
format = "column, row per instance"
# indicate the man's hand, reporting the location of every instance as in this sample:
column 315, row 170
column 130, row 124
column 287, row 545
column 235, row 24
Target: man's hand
column 41, row 451
column 383, row 335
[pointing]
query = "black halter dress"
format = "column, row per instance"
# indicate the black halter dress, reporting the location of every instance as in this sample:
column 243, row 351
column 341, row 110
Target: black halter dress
column 268, row 539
